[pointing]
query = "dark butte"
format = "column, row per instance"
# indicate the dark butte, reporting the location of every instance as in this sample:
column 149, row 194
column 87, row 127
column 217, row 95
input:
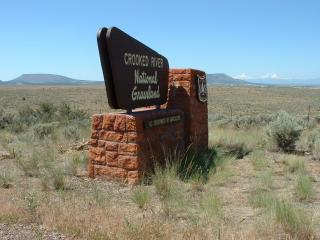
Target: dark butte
column 134, row 74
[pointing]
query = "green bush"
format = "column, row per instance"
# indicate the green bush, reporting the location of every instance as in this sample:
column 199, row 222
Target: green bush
column 30, row 165
column 16, row 126
column 66, row 113
column 42, row 130
column 6, row 119
column 284, row 131
column 46, row 112
column 252, row 121
column 27, row 116
column 71, row 132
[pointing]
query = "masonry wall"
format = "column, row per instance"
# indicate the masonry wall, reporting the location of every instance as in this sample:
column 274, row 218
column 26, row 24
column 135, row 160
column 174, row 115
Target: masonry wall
column 183, row 95
column 122, row 148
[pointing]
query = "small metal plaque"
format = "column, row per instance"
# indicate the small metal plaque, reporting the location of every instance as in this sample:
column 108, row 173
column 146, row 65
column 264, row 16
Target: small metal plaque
column 202, row 88
column 162, row 121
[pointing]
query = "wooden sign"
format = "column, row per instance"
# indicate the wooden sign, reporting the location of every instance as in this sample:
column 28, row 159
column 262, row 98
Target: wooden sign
column 134, row 74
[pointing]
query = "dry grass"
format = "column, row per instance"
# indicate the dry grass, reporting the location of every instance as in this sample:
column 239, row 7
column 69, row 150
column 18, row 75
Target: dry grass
column 244, row 197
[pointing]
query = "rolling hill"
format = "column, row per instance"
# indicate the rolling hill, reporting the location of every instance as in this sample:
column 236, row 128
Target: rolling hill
column 221, row 78
column 52, row 79
column 212, row 79
column 46, row 79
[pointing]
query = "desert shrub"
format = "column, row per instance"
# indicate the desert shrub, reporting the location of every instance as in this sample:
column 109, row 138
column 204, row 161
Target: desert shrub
column 215, row 117
column 252, row 121
column 17, row 126
column 27, row 115
column 71, row 132
column 284, row 131
column 223, row 122
column 141, row 196
column 6, row 119
column 78, row 115
column 46, row 112
column 30, row 165
column 64, row 111
column 42, row 130
column 235, row 148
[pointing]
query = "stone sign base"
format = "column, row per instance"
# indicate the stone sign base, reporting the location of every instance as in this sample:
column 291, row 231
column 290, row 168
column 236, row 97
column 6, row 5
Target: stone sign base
column 124, row 146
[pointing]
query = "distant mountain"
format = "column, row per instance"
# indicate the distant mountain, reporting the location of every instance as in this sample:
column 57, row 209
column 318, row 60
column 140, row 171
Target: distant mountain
column 46, row 79
column 216, row 78
column 221, row 78
column 287, row 82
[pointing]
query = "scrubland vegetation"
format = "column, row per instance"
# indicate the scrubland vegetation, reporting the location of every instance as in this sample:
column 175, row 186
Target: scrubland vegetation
column 259, row 179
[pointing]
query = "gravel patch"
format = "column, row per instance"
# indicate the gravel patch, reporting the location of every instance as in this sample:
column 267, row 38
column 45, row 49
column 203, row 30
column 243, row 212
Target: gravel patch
column 28, row 232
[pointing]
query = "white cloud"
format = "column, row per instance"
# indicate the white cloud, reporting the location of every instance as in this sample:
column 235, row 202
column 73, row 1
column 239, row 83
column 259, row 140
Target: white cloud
column 270, row 76
column 242, row 76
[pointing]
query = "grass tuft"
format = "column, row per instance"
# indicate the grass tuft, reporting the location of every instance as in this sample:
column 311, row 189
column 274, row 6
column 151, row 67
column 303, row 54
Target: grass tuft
column 141, row 196
column 5, row 179
column 295, row 165
column 211, row 204
column 259, row 160
column 304, row 187
column 293, row 220
column 262, row 198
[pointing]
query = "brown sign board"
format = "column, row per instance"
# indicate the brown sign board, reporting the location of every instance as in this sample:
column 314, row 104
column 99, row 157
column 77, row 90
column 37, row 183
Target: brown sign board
column 134, row 74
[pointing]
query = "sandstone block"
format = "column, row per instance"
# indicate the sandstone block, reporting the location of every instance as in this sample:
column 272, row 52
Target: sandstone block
column 128, row 162
column 112, row 136
column 111, row 146
column 128, row 148
column 97, row 121
column 112, row 159
column 108, row 121
column 120, row 123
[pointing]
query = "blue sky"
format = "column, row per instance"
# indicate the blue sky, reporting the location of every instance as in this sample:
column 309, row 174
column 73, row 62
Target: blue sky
column 257, row 38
